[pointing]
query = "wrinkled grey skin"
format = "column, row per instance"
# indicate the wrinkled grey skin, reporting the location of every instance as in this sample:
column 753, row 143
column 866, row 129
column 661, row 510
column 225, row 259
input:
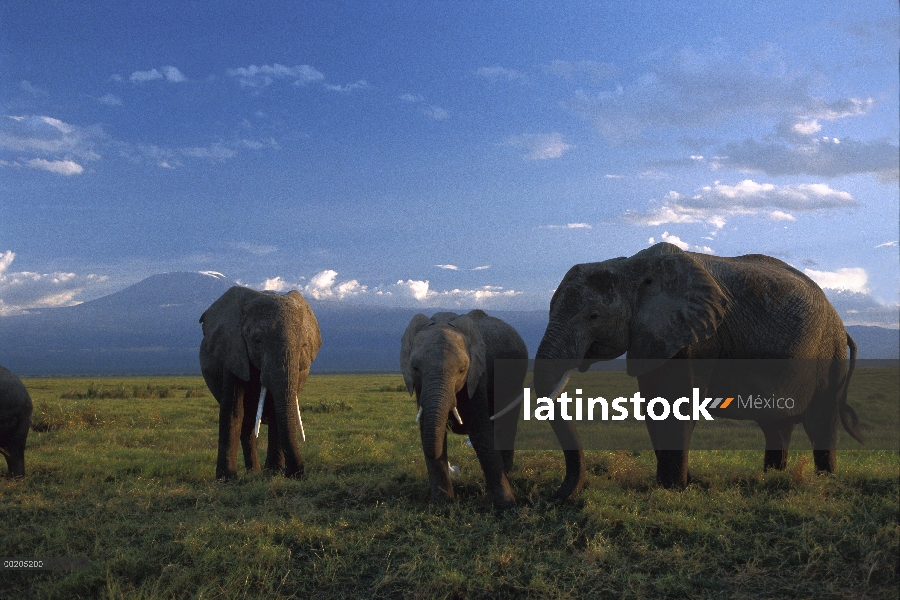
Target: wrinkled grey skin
column 448, row 361
column 253, row 339
column 665, row 303
column 15, row 420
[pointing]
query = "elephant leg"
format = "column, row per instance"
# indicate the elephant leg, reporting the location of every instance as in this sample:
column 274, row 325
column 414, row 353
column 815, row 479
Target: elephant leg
column 231, row 412
column 439, row 476
column 671, row 442
column 508, row 457
column 13, row 447
column 493, row 466
column 821, row 427
column 248, row 424
column 573, row 453
column 820, row 421
column 671, row 438
column 778, row 438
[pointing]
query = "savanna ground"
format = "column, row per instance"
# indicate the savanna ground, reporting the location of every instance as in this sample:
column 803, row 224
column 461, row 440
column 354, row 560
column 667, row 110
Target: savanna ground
column 120, row 471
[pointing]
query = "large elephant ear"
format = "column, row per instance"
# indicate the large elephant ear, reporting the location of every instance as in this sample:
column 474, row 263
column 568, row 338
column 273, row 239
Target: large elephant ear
column 223, row 337
column 678, row 304
column 312, row 334
column 416, row 325
column 476, row 348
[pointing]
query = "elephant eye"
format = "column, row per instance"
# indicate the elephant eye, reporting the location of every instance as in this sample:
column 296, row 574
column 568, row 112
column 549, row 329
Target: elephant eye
column 594, row 316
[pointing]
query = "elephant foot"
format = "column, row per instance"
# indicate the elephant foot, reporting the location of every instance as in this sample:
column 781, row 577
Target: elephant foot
column 567, row 489
column 825, row 460
column 296, row 473
column 775, row 459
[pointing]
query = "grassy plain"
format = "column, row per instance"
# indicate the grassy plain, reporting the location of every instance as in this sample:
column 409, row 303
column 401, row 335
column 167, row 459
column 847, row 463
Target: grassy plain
column 121, row 471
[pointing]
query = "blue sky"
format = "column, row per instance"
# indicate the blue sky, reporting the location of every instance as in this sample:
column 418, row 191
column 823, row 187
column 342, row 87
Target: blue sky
column 456, row 154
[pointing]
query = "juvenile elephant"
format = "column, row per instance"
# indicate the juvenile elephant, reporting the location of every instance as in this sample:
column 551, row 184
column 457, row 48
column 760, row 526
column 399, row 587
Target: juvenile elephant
column 448, row 362
column 15, row 420
column 257, row 343
column 664, row 303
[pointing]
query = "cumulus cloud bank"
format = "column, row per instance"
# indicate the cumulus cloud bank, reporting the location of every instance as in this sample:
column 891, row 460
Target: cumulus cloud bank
column 25, row 290
column 325, row 285
column 714, row 203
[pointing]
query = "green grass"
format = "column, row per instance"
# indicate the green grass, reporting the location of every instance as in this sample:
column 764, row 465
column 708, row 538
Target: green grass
column 128, row 483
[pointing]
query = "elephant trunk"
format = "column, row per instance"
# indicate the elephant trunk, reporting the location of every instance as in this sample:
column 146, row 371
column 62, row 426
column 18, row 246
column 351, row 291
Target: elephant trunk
column 437, row 399
column 557, row 356
column 284, row 384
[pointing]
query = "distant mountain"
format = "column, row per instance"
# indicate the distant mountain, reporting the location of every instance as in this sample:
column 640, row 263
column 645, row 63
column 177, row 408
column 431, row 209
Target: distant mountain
column 153, row 327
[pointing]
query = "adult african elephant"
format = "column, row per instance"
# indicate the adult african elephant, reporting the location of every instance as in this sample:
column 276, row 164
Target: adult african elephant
column 257, row 343
column 664, row 303
column 448, row 362
column 15, row 420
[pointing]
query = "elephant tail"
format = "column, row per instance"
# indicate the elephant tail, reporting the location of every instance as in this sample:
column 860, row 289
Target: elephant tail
column 849, row 417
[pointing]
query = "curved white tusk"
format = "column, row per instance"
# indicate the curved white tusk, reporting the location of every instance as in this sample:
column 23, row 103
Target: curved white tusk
column 513, row 404
column 262, row 398
column 456, row 414
column 419, row 414
column 300, row 419
column 562, row 383
column 559, row 387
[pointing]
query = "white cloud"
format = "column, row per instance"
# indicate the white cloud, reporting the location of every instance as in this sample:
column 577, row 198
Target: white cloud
column 713, row 204
column 433, row 112
column 839, row 109
column 6, row 259
column 110, row 100
column 777, row 215
column 436, row 112
column 275, row 284
column 49, row 138
column 887, row 244
column 416, row 287
column 263, row 75
column 539, row 146
column 169, row 73
column 359, row 85
column 481, row 268
column 499, row 73
column 567, row 226
column 143, row 76
column 808, row 127
column 172, row 74
column 25, row 290
column 61, row 167
column 448, row 267
column 421, row 292
column 677, row 241
column 846, row 279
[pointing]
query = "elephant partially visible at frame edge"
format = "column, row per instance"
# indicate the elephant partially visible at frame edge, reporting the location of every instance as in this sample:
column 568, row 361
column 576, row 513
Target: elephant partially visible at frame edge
column 15, row 420
column 664, row 303
column 254, row 341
